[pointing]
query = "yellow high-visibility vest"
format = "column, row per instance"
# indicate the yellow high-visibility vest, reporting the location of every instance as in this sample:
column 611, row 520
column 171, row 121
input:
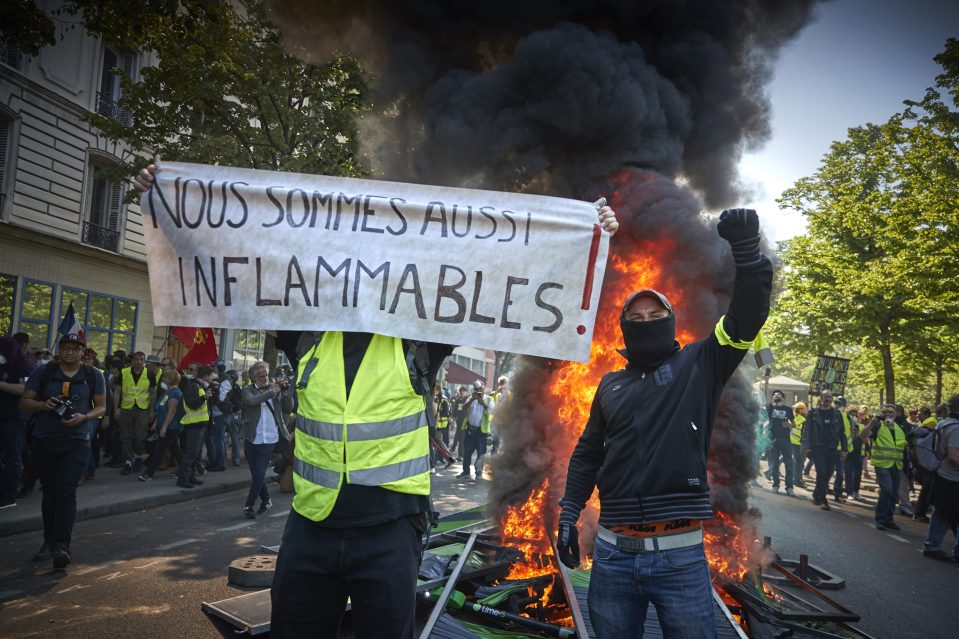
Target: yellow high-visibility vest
column 376, row 436
column 134, row 393
column 196, row 415
column 795, row 435
column 888, row 447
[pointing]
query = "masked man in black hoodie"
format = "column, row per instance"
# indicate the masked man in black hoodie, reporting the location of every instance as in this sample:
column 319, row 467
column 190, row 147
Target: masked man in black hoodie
column 645, row 446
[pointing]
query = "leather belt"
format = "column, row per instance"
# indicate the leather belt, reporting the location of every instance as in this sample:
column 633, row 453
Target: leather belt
column 651, row 544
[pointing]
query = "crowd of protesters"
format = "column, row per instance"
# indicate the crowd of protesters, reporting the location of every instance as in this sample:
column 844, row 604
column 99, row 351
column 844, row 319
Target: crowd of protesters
column 911, row 452
column 142, row 416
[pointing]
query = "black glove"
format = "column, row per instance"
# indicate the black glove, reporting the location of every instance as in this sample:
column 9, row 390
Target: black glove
column 740, row 227
column 567, row 543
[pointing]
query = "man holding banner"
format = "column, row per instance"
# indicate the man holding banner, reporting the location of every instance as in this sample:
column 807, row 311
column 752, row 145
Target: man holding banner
column 361, row 457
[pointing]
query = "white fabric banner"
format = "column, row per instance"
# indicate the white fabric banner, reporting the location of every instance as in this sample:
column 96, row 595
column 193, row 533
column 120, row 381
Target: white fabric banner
column 240, row 248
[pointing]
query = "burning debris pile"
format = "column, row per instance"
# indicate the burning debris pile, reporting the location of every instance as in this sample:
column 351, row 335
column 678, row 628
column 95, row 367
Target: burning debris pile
column 581, row 99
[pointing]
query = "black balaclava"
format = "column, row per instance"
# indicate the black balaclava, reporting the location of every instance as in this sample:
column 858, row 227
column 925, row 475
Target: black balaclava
column 648, row 344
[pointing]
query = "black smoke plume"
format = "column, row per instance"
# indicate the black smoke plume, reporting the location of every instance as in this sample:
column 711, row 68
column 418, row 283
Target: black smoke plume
column 580, row 99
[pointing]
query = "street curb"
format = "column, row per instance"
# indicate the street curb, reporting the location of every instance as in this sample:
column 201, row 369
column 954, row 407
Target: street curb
column 176, row 495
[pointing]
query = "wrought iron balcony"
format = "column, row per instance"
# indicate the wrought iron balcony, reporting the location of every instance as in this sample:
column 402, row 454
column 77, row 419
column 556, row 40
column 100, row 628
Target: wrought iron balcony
column 107, row 106
column 101, row 236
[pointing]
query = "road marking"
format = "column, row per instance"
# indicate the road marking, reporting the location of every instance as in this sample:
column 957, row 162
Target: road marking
column 112, row 576
column 176, row 544
column 77, row 587
column 245, row 524
column 152, row 563
column 898, row 538
column 281, row 514
column 87, row 571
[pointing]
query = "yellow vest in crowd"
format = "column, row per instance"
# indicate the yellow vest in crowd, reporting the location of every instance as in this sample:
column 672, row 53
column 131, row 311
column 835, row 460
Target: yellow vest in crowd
column 134, row 392
column 376, row 436
column 847, row 428
column 888, row 448
column 929, row 422
column 196, row 415
column 795, row 435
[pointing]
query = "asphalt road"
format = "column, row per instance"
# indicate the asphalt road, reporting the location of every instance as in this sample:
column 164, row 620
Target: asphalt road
column 899, row 593
column 144, row 574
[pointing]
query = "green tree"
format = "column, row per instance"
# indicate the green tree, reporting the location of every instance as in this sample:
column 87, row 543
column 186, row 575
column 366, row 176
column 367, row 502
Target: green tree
column 877, row 268
column 25, row 25
column 224, row 91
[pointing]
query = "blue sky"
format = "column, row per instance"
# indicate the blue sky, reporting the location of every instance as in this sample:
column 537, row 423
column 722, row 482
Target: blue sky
column 854, row 64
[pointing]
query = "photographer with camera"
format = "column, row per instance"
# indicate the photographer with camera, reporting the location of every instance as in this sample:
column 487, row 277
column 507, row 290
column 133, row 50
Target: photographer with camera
column 478, row 409
column 263, row 407
column 67, row 397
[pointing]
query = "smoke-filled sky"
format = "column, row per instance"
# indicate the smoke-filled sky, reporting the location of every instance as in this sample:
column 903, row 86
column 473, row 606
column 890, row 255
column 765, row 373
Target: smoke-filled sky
column 854, row 64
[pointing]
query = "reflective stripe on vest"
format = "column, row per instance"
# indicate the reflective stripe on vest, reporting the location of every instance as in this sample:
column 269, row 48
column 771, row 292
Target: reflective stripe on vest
column 888, row 447
column 196, row 415
column 375, row 437
column 134, row 392
column 763, row 354
column 795, row 436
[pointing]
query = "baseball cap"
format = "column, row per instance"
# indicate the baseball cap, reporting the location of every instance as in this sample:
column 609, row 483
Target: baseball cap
column 74, row 337
column 647, row 292
column 153, row 359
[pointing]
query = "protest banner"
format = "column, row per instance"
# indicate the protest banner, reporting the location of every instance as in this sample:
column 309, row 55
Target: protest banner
column 829, row 374
column 241, row 248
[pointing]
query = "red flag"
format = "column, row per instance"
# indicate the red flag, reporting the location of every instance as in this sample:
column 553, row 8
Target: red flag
column 203, row 347
column 185, row 334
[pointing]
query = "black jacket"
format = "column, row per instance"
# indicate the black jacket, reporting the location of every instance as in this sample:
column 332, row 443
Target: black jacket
column 647, row 437
column 816, row 433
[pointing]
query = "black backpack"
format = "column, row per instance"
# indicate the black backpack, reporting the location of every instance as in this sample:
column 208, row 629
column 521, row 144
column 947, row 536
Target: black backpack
column 233, row 402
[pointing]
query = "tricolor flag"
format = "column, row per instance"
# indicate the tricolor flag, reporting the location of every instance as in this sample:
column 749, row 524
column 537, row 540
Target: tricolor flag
column 70, row 323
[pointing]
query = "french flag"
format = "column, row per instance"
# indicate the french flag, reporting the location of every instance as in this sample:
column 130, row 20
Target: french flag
column 70, row 323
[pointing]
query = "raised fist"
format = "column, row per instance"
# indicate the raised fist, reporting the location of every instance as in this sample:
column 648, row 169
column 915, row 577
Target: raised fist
column 738, row 224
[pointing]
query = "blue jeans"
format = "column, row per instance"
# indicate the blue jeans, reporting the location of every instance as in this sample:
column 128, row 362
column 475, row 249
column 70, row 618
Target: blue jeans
column 216, row 443
column 937, row 532
column 59, row 462
column 888, row 480
column 797, row 463
column 623, row 584
column 474, row 441
column 258, row 457
column 12, row 440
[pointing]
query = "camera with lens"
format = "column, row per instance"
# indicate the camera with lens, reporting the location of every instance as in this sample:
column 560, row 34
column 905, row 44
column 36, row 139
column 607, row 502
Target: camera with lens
column 284, row 385
column 64, row 409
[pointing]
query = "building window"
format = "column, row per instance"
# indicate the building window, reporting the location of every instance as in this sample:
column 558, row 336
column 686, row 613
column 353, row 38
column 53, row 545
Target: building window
column 247, row 348
column 108, row 97
column 36, row 313
column 103, row 225
column 8, row 295
column 6, row 143
column 108, row 322
column 10, row 51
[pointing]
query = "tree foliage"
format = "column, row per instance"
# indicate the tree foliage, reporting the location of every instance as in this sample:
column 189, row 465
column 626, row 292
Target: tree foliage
column 878, row 268
column 224, row 91
column 27, row 25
